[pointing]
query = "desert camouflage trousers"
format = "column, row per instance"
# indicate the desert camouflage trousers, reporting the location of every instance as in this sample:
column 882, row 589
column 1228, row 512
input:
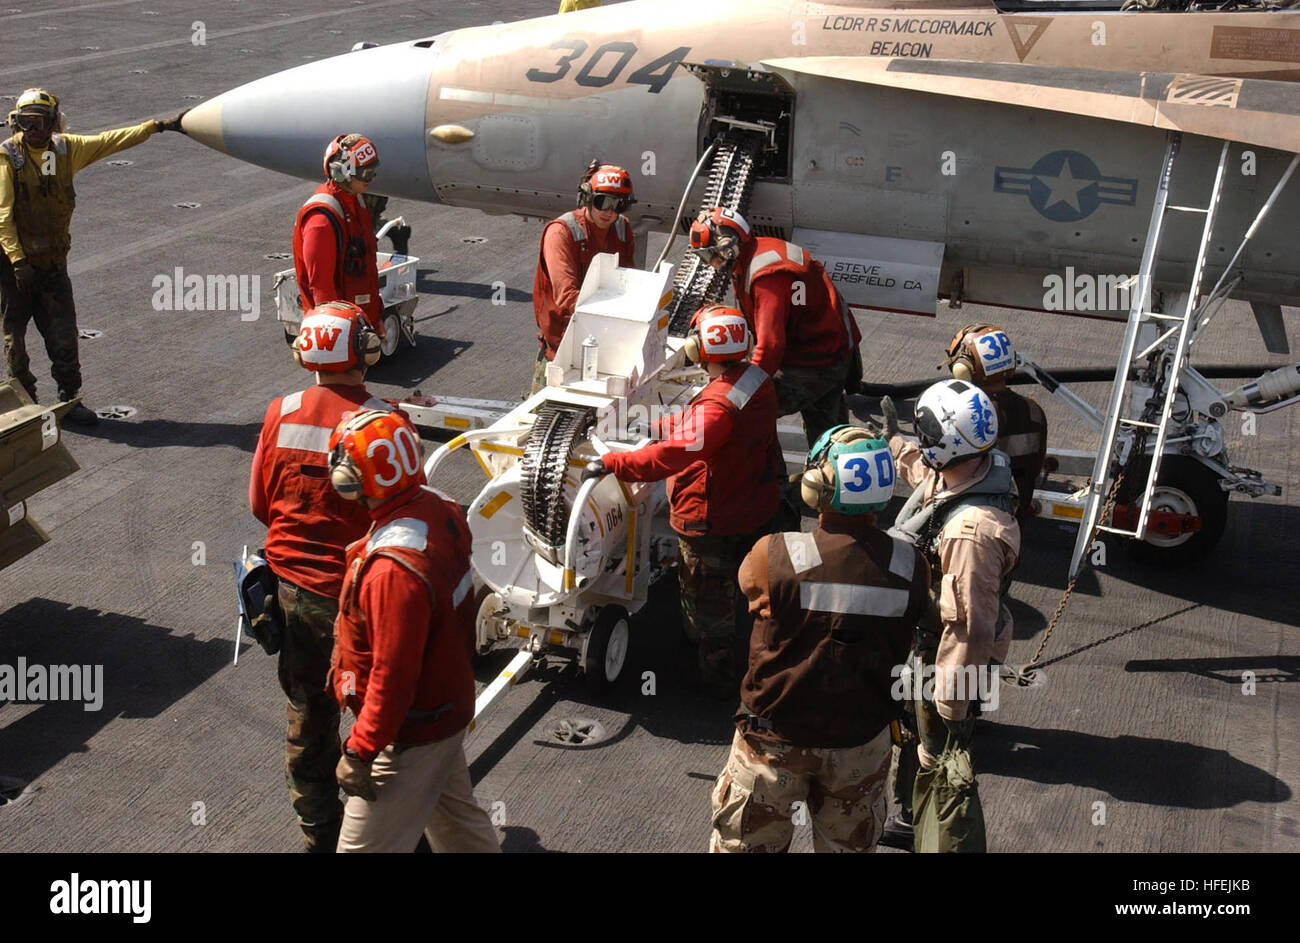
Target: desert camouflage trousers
column 842, row 791
column 312, row 748
column 539, row 372
column 816, row 393
column 706, row 576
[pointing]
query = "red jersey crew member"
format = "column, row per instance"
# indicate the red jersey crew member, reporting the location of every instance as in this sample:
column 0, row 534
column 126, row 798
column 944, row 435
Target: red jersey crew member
column 402, row 656
column 724, row 469
column 982, row 354
column 834, row 611
column 308, row 528
column 805, row 338
column 334, row 239
column 569, row 243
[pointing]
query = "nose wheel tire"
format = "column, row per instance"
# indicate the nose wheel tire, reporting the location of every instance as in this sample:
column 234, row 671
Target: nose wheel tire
column 1185, row 487
column 605, row 652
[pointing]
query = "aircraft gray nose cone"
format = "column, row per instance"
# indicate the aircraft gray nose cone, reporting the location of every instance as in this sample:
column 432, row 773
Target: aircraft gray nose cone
column 284, row 121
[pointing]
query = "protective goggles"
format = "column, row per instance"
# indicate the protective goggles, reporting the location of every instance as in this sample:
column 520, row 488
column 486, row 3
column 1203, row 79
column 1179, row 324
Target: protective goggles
column 607, row 201
column 367, row 175
column 33, row 121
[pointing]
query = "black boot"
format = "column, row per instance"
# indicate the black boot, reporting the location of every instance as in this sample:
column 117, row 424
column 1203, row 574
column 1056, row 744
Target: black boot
column 78, row 414
column 898, row 831
column 321, row 839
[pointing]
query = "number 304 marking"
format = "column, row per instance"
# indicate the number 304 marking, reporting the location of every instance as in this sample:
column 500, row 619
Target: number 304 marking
column 654, row 74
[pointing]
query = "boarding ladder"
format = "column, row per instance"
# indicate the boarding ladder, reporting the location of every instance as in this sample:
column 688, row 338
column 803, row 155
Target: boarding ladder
column 1159, row 365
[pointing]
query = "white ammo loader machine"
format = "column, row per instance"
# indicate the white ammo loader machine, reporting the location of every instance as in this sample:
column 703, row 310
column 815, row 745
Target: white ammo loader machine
column 564, row 563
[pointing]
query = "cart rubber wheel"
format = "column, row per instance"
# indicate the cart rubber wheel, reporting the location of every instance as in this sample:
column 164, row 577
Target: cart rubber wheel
column 486, row 602
column 1185, row 487
column 605, row 653
column 392, row 334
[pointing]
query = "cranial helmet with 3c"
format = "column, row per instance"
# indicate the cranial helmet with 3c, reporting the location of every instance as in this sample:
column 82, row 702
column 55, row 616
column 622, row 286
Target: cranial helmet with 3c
column 351, row 156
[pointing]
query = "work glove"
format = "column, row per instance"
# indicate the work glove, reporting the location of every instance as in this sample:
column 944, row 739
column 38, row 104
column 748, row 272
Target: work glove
column 594, row 469
column 25, row 276
column 171, row 124
column 890, row 412
column 353, row 774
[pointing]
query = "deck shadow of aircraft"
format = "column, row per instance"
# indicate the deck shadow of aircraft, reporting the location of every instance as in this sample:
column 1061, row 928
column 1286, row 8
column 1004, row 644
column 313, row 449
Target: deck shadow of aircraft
column 1132, row 769
column 47, row 632
column 160, row 433
column 1266, row 669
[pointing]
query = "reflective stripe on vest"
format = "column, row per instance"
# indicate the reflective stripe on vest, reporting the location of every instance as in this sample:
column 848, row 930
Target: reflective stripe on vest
column 902, row 563
column 803, row 551
column 408, row 532
column 304, row 438
column 746, row 386
column 326, row 200
column 854, row 600
column 792, row 252
column 575, row 228
column 462, row 589
column 291, row 403
column 15, row 154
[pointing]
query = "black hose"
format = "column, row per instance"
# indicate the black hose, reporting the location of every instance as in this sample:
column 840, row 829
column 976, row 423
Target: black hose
column 1221, row 371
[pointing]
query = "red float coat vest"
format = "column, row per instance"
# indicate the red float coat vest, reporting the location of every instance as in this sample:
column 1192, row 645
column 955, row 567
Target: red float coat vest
column 556, row 293
column 356, row 278
column 427, row 536
column 722, row 455
column 818, row 332
column 308, row 524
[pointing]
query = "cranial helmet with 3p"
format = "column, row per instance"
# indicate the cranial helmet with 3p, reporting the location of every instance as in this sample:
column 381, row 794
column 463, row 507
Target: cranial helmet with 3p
column 335, row 337
column 718, row 335
column 720, row 232
column 375, row 454
column 955, row 420
column 606, row 186
column 982, row 353
column 351, row 156
column 850, row 470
